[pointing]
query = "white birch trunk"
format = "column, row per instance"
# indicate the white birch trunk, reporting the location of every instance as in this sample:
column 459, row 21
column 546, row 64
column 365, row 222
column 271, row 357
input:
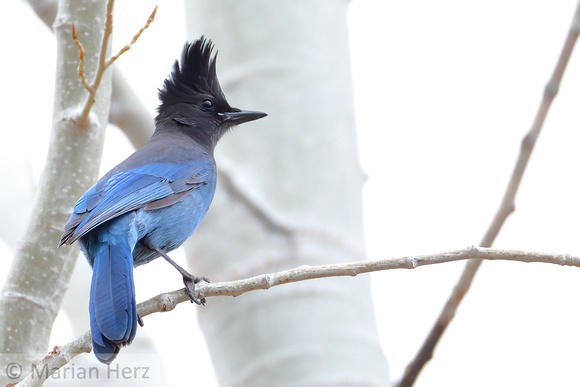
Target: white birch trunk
column 289, row 194
column 126, row 112
column 39, row 275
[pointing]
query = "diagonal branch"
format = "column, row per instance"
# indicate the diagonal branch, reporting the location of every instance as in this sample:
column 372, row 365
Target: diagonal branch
column 271, row 221
column 165, row 302
column 507, row 207
column 127, row 47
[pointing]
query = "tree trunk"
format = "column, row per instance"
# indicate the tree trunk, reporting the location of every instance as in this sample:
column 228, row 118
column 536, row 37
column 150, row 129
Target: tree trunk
column 40, row 273
column 289, row 194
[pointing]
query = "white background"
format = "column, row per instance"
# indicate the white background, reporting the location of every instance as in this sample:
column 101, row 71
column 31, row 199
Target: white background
column 444, row 93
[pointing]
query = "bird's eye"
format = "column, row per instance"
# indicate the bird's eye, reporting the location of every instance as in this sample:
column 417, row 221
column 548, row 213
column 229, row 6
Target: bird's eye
column 206, row 104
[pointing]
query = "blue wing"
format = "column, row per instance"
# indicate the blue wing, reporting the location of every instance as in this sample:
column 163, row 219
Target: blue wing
column 152, row 186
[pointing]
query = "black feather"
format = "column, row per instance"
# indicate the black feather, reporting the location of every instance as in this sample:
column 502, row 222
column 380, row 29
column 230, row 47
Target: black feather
column 194, row 76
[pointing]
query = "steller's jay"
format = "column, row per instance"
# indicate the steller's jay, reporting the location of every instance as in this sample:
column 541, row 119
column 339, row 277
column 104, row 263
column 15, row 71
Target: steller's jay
column 151, row 203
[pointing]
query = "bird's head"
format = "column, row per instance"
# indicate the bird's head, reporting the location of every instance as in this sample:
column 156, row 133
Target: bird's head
column 193, row 99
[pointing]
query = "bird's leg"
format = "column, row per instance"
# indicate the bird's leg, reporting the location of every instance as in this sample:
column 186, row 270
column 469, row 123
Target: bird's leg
column 189, row 280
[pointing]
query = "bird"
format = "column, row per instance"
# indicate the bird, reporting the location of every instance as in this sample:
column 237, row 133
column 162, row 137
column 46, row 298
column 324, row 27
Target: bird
column 150, row 203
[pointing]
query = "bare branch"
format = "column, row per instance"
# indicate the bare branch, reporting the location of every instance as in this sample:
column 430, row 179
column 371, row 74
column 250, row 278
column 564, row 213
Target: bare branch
column 274, row 223
column 134, row 40
column 45, row 9
column 84, row 117
column 506, row 207
column 254, row 206
column 165, row 302
column 81, row 60
column 127, row 111
column 56, row 359
column 104, row 63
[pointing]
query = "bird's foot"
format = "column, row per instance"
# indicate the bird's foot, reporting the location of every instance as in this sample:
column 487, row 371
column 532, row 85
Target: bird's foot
column 140, row 321
column 189, row 282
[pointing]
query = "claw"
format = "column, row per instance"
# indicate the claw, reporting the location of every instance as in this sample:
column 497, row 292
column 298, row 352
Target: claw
column 188, row 279
column 197, row 279
column 189, row 283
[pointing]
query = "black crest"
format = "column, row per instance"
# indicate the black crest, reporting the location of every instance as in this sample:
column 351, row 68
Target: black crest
column 195, row 75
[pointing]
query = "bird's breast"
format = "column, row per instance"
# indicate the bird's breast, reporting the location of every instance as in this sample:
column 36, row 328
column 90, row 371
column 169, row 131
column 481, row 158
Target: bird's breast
column 168, row 227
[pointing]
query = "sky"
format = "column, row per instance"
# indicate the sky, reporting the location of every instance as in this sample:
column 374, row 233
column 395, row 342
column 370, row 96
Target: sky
column 444, row 93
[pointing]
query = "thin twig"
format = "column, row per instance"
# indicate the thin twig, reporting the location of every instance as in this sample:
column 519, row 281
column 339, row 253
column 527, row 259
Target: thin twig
column 506, row 207
column 104, row 63
column 127, row 47
column 165, row 302
column 84, row 117
column 126, row 111
column 81, row 60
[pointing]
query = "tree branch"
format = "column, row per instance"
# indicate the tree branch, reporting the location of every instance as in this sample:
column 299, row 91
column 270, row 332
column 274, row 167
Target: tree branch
column 271, row 221
column 127, row 47
column 75, row 36
column 127, row 111
column 84, row 116
column 165, row 302
column 104, row 62
column 506, row 208
column 45, row 10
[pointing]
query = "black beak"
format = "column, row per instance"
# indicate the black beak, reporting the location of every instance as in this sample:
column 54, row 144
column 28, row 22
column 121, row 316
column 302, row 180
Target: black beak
column 237, row 116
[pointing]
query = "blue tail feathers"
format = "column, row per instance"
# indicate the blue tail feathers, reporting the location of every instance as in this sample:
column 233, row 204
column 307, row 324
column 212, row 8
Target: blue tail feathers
column 112, row 299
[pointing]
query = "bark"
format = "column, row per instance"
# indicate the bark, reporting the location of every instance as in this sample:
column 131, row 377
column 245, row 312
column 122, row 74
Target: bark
column 289, row 194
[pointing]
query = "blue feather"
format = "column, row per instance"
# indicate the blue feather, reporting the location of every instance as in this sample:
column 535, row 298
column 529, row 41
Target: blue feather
column 112, row 300
column 129, row 190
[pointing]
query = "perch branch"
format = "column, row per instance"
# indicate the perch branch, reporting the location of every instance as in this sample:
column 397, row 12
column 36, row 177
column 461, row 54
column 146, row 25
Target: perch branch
column 165, row 302
column 506, row 207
